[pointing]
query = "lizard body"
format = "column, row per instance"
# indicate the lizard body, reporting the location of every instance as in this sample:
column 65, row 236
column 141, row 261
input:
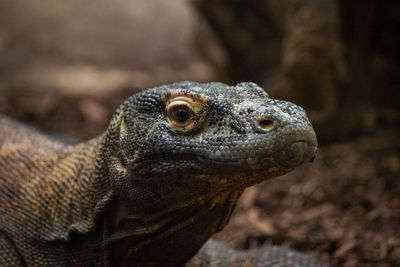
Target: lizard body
column 153, row 188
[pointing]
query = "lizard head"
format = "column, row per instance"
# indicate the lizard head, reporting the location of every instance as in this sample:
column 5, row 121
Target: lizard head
column 179, row 156
column 212, row 132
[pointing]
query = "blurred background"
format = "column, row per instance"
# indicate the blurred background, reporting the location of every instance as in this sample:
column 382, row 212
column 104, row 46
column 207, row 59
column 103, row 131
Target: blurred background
column 65, row 66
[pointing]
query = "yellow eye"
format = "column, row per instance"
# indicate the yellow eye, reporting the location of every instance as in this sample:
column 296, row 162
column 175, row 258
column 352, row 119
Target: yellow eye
column 180, row 114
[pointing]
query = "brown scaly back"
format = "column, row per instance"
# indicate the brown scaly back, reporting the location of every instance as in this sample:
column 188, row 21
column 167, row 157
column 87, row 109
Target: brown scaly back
column 48, row 192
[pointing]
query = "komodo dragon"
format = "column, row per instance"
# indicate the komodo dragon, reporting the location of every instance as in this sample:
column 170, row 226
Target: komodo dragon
column 151, row 190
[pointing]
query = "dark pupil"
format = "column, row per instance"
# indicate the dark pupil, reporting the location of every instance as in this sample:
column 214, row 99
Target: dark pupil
column 181, row 115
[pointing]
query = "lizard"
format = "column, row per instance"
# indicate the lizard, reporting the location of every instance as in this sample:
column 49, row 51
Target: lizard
column 150, row 191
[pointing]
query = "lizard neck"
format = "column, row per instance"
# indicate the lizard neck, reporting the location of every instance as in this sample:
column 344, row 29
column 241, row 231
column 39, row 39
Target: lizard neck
column 174, row 232
column 77, row 178
column 94, row 191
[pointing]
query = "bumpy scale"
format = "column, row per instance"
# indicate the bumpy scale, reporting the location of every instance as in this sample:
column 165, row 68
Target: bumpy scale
column 150, row 191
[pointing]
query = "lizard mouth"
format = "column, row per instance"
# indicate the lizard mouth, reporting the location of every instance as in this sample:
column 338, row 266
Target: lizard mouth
column 276, row 162
column 291, row 155
column 296, row 153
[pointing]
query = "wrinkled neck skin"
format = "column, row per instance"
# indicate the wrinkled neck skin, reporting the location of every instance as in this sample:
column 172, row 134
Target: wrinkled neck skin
column 164, row 219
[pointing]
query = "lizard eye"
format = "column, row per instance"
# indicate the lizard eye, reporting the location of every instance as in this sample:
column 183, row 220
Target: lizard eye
column 180, row 114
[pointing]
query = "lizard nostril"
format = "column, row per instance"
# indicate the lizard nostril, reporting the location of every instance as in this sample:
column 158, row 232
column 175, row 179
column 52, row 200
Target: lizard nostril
column 265, row 123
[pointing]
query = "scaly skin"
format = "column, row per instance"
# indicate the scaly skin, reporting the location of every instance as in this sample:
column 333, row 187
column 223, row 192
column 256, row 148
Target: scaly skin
column 164, row 177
